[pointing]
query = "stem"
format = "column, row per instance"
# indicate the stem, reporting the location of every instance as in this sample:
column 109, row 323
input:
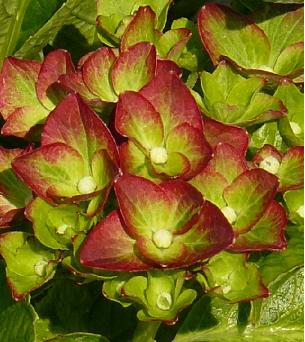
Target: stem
column 145, row 331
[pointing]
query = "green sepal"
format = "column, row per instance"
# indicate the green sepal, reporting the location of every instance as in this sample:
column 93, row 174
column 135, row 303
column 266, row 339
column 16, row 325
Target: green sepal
column 292, row 127
column 232, row 98
column 71, row 262
column 28, row 263
column 112, row 289
column 161, row 295
column 294, row 200
column 55, row 227
column 230, row 277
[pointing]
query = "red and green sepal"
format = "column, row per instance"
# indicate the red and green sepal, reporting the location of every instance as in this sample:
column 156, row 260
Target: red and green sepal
column 143, row 235
column 14, row 194
column 143, row 27
column 245, row 196
column 288, row 167
column 164, row 127
column 77, row 159
column 216, row 132
column 107, row 75
column 29, row 264
column 28, row 92
column 277, row 54
column 231, row 277
column 112, row 21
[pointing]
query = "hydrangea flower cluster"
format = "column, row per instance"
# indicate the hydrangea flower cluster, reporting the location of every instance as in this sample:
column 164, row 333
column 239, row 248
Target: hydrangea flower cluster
column 132, row 177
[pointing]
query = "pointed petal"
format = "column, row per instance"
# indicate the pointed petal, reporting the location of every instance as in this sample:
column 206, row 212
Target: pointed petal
column 14, row 194
column 56, row 63
column 266, row 234
column 96, row 74
column 137, row 119
column 55, row 166
column 224, row 32
column 211, row 234
column 109, row 247
column 177, row 165
column 17, row 80
column 291, row 171
column 147, row 207
column 134, row 162
column 134, row 68
column 249, row 195
column 21, row 123
column 74, row 82
column 142, row 28
column 227, row 162
column 166, row 66
column 211, row 184
column 73, row 123
column 217, row 132
column 172, row 43
column 171, row 257
column 190, row 142
column 173, row 101
column 290, row 60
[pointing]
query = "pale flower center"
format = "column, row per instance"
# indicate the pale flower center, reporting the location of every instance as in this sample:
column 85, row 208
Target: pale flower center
column 164, row 301
column 62, row 229
column 229, row 214
column 296, row 129
column 158, row 155
column 41, row 267
column 86, row 185
column 270, row 164
column 162, row 238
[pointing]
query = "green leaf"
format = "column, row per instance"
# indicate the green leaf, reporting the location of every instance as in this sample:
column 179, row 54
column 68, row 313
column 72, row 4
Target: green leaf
column 210, row 320
column 76, row 15
column 278, row 318
column 278, row 264
column 79, row 337
column 11, row 16
column 17, row 323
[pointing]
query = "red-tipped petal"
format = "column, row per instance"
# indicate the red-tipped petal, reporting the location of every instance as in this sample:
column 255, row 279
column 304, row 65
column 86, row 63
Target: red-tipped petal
column 249, row 195
column 137, row 119
column 267, row 234
column 109, row 247
column 96, row 74
column 134, row 68
column 172, row 99
column 216, row 132
column 147, row 207
column 73, row 123
column 56, row 63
